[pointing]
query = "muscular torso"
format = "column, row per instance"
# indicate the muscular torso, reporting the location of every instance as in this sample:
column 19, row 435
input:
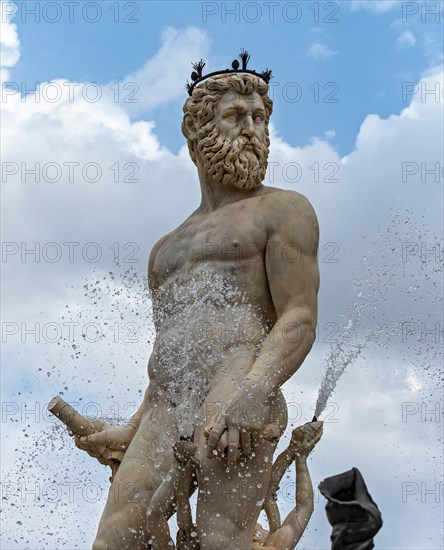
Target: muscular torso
column 211, row 302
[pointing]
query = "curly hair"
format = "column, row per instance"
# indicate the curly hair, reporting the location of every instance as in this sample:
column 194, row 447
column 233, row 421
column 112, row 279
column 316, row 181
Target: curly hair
column 201, row 104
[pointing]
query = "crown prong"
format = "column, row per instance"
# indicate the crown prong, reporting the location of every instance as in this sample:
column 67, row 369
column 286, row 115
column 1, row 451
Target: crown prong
column 197, row 74
column 198, row 67
column 267, row 75
column 245, row 57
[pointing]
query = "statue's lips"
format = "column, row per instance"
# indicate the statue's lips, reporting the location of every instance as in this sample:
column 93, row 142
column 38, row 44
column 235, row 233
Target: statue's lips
column 249, row 147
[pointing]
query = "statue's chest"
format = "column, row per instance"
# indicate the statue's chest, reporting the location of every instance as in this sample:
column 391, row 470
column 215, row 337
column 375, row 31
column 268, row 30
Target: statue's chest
column 217, row 239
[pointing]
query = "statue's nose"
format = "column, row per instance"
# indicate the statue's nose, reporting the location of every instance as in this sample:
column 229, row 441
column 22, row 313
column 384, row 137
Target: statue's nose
column 247, row 125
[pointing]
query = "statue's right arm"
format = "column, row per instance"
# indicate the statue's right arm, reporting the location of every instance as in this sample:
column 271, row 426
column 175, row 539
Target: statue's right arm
column 108, row 437
column 134, row 421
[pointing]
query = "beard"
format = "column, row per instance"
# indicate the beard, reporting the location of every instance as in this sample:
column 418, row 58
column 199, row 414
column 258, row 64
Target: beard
column 230, row 162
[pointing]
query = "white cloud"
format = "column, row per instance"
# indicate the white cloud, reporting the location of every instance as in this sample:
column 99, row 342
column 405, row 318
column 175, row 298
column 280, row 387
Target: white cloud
column 320, row 51
column 363, row 206
column 162, row 79
column 9, row 41
column 375, row 6
column 405, row 40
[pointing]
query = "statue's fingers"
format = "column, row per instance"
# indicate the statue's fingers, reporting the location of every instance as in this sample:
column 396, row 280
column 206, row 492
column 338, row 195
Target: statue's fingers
column 314, row 431
column 109, row 456
column 256, row 440
column 233, row 446
column 216, row 418
column 245, row 438
column 85, row 447
column 298, row 434
column 215, row 435
column 80, row 444
column 95, row 442
column 318, row 427
column 223, row 442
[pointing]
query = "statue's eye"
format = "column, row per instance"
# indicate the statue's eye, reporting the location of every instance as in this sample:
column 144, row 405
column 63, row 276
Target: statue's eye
column 258, row 118
column 231, row 117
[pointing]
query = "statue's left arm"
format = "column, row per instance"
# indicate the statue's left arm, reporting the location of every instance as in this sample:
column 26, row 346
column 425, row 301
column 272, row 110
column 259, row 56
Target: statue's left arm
column 293, row 280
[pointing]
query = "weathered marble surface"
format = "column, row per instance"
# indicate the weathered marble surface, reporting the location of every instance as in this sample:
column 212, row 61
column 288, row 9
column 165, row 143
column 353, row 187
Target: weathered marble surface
column 234, row 292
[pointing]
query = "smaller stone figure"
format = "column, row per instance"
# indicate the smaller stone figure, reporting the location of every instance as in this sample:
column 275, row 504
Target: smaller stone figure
column 285, row 536
column 173, row 495
column 351, row 511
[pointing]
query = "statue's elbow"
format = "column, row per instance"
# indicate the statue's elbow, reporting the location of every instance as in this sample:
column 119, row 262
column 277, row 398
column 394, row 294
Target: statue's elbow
column 311, row 336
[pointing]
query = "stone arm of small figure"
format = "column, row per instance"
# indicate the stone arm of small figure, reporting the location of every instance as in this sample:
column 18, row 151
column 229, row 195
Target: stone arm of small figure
column 280, row 466
column 302, row 442
column 293, row 527
column 304, row 498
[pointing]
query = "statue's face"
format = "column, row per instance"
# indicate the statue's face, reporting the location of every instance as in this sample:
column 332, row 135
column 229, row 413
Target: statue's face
column 241, row 115
column 235, row 149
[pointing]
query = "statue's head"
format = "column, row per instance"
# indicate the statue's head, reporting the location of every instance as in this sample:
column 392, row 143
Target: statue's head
column 226, row 126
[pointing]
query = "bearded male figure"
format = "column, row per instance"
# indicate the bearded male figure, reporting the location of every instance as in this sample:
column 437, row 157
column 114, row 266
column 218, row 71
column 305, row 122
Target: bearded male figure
column 234, row 293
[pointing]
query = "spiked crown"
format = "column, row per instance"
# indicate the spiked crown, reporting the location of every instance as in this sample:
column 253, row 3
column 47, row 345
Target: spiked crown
column 237, row 68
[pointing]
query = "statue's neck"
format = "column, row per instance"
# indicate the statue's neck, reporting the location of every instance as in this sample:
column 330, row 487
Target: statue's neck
column 216, row 194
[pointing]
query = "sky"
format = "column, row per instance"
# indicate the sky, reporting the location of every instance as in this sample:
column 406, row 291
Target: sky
column 95, row 170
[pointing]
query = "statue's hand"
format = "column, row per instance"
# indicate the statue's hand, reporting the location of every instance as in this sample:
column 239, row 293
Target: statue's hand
column 246, row 415
column 259, row 538
column 108, row 444
column 281, row 538
column 304, row 438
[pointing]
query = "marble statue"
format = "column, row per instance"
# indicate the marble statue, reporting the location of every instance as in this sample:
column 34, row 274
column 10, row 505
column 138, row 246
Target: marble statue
column 234, row 294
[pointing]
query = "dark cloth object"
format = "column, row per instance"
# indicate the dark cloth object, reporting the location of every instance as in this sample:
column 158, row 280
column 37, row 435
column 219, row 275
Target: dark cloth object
column 351, row 511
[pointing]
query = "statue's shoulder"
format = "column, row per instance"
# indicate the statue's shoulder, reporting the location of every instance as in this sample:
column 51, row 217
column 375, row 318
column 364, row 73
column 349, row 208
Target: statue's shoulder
column 155, row 250
column 283, row 202
column 171, row 235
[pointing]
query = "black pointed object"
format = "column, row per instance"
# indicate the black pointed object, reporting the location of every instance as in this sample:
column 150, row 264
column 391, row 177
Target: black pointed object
column 197, row 75
column 315, row 419
column 351, row 511
column 198, row 67
column 245, row 57
column 267, row 75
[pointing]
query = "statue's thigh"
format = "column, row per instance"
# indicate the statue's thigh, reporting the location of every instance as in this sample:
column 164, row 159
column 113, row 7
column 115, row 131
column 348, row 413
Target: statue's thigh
column 229, row 503
column 145, row 465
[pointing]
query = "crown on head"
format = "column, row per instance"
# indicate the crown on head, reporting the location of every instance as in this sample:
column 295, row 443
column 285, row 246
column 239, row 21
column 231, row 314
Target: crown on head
column 197, row 77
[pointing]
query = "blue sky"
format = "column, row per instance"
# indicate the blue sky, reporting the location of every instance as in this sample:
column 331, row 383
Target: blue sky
column 380, row 217
column 362, row 56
